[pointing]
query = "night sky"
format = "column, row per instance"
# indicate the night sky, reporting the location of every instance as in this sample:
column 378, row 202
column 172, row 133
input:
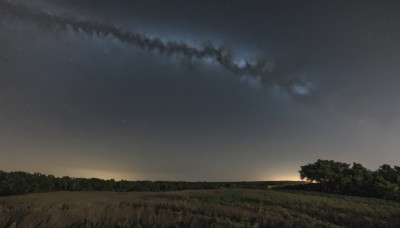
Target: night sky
column 197, row 90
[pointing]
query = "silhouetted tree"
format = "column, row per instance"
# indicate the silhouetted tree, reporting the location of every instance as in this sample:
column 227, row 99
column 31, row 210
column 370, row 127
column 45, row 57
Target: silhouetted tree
column 325, row 172
column 357, row 180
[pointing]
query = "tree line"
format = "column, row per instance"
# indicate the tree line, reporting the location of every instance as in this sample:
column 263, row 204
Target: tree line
column 351, row 179
column 322, row 175
column 14, row 183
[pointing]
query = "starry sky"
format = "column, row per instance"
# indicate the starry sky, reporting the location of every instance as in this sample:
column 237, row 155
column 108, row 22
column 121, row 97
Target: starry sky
column 197, row 90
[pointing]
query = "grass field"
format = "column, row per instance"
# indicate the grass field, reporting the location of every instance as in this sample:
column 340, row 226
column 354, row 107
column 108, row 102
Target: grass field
column 198, row 208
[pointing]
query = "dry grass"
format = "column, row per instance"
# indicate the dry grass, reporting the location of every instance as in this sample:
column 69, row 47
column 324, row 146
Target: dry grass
column 197, row 208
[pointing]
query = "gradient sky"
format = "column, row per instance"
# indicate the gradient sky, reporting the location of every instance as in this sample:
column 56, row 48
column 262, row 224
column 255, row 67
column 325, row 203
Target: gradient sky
column 86, row 90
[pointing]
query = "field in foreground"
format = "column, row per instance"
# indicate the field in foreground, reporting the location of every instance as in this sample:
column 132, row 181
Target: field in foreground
column 212, row 208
